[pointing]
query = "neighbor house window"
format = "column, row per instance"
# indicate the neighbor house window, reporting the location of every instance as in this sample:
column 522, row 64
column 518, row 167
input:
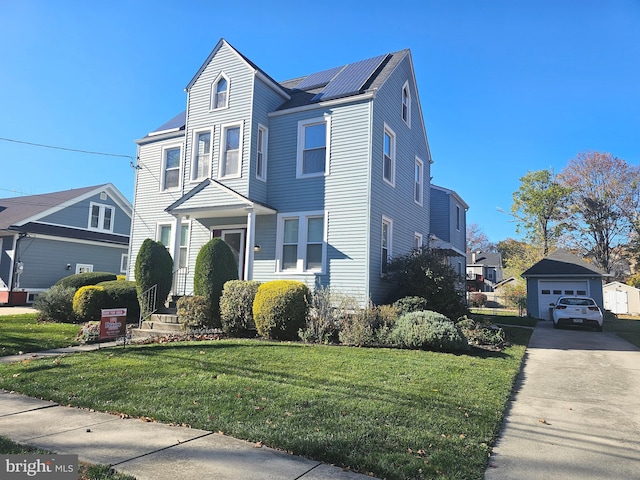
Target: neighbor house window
column 406, row 104
column 261, row 153
column 220, row 93
column 389, row 156
column 171, row 168
column 313, row 147
column 418, row 181
column 201, row 155
column 458, row 217
column 417, row 241
column 84, row 268
column 301, row 242
column 230, row 152
column 124, row 262
column 101, row 217
column 387, row 227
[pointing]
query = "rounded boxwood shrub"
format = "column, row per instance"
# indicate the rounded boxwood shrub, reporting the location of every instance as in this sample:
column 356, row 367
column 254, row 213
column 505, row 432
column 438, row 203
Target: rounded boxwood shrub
column 215, row 265
column 280, row 309
column 87, row 278
column 56, row 304
column 428, row 331
column 410, row 304
column 236, row 306
column 88, row 302
column 154, row 266
column 193, row 311
column 122, row 294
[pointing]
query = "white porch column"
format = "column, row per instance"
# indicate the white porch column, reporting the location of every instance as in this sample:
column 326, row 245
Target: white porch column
column 175, row 247
column 250, row 242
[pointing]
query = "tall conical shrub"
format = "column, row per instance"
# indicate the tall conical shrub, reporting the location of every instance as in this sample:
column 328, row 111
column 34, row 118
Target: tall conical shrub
column 154, row 265
column 215, row 266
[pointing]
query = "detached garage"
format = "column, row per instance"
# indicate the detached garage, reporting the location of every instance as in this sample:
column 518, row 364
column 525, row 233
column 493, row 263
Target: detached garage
column 561, row 273
column 621, row 298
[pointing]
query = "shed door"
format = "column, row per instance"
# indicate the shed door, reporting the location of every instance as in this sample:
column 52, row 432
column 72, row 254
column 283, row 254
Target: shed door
column 550, row 290
column 616, row 301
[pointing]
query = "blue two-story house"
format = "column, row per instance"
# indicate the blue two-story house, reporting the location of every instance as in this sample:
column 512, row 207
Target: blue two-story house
column 322, row 178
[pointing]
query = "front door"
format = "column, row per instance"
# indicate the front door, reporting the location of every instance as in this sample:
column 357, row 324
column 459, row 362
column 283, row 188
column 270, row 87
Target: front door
column 235, row 239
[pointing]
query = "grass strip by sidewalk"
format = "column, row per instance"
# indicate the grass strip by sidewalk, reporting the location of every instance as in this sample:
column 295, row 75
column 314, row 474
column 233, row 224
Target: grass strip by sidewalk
column 398, row 414
column 86, row 471
column 23, row 333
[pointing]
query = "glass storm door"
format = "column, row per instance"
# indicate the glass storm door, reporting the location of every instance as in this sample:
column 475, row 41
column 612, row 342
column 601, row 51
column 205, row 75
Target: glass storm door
column 235, row 239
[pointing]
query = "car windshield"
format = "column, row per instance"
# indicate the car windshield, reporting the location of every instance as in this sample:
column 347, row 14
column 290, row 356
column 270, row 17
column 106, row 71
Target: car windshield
column 576, row 301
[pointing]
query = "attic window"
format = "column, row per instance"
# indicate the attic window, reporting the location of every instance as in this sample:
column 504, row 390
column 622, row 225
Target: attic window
column 220, row 92
column 103, row 196
column 406, row 104
column 101, row 217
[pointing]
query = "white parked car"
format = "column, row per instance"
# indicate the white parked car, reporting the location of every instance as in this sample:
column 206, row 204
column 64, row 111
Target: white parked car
column 578, row 311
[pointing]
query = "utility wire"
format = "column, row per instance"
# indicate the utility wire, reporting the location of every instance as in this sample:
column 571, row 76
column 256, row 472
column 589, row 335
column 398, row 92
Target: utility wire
column 67, row 149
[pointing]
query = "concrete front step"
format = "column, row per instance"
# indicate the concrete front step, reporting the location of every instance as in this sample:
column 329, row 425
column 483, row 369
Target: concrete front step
column 158, row 325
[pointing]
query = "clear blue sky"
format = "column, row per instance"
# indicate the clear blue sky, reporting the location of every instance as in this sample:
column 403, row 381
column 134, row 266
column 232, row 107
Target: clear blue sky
column 506, row 86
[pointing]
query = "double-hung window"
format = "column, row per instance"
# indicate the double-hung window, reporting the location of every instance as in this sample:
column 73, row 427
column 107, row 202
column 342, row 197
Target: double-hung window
column 417, row 241
column 230, row 152
column 387, row 231
column 301, row 242
column 418, row 181
column 389, row 156
column 313, row 147
column 261, row 153
column 170, row 168
column 406, row 104
column 201, row 155
column 101, row 217
column 220, row 92
column 165, row 237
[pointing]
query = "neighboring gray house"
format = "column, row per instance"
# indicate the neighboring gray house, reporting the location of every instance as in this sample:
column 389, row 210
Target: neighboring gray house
column 448, row 224
column 621, row 298
column 484, row 271
column 322, row 178
column 46, row 237
column 561, row 273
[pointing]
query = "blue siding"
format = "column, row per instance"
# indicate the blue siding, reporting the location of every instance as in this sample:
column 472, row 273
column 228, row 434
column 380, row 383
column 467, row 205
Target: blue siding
column 441, row 215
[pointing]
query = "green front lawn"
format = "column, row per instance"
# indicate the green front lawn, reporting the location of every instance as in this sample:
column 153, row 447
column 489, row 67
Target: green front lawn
column 398, row 414
column 625, row 327
column 23, row 333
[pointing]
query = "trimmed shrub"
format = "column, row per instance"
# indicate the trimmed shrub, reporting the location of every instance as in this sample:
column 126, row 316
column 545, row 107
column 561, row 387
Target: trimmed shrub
column 236, row 307
column 410, row 304
column 88, row 302
column 215, row 266
column 87, row 278
column 56, row 304
column 122, row 294
column 428, row 330
column 154, row 266
column 193, row 312
column 280, row 309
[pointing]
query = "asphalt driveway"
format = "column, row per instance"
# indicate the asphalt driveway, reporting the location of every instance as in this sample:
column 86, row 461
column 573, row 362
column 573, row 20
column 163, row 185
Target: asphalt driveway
column 576, row 410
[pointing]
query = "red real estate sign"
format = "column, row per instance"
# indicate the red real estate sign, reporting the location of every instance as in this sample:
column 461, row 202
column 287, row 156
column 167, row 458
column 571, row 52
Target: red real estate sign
column 113, row 323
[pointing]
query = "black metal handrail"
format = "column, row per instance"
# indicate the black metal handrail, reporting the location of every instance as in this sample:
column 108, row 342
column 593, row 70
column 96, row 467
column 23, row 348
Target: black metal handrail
column 148, row 303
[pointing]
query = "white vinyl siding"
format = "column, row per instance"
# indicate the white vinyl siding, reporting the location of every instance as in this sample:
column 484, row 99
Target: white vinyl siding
column 170, row 175
column 389, row 156
column 313, row 147
column 231, row 152
column 261, row 153
column 101, row 217
column 201, row 165
column 301, row 242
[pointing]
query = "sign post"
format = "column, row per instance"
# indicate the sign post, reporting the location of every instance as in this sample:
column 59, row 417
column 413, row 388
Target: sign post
column 113, row 323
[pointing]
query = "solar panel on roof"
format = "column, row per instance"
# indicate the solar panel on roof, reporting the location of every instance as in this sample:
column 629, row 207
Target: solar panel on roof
column 318, row 79
column 351, row 79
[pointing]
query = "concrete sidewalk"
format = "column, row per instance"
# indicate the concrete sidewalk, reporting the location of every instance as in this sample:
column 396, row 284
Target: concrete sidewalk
column 151, row 451
column 576, row 410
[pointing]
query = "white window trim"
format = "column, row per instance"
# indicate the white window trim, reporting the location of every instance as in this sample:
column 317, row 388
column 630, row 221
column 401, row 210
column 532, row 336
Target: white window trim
column 392, row 135
column 265, row 147
column 223, row 146
column 103, row 207
column 302, row 242
column 194, row 152
column 389, row 222
column 158, row 238
column 124, row 262
column 458, row 217
column 301, row 126
column 420, row 201
column 163, row 169
column 212, row 96
column 417, row 238
column 82, row 266
column 406, row 88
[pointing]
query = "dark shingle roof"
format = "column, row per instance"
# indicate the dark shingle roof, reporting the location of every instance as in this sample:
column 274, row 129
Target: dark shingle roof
column 490, row 259
column 563, row 263
column 176, row 123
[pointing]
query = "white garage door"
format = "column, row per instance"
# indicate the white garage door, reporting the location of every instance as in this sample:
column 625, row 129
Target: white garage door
column 549, row 291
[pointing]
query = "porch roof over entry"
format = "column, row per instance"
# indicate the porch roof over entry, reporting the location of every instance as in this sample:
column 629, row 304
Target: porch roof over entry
column 211, row 198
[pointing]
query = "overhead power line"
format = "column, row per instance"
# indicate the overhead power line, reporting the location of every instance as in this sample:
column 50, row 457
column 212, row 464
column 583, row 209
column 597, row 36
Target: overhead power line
column 67, row 149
